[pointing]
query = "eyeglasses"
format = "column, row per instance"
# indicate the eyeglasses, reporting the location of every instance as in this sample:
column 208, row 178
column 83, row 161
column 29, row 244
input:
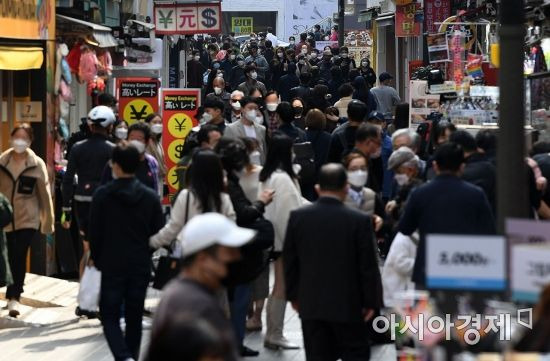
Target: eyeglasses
column 235, row 100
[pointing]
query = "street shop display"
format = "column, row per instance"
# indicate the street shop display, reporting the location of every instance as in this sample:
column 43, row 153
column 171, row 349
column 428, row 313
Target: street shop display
column 92, row 66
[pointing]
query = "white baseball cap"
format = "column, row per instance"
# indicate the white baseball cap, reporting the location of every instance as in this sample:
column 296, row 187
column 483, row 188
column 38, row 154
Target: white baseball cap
column 209, row 229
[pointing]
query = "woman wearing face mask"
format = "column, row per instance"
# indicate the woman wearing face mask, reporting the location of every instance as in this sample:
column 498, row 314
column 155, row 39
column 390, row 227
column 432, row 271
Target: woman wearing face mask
column 367, row 72
column 346, row 62
column 302, row 64
column 359, row 196
column 277, row 66
column 120, row 131
column 278, row 174
column 154, row 147
column 139, row 135
column 24, row 181
column 299, row 113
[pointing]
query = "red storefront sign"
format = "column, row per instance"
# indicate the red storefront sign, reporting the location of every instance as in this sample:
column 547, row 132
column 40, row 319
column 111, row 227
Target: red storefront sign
column 179, row 108
column 405, row 25
column 188, row 18
column 435, row 11
column 137, row 98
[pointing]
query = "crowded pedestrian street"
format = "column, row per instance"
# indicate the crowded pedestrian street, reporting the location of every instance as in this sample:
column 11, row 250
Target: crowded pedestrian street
column 276, row 180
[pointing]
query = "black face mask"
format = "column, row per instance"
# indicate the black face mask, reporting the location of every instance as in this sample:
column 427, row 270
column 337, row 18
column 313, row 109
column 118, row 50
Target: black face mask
column 298, row 110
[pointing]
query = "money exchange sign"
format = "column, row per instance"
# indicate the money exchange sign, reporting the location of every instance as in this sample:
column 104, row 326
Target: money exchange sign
column 137, row 98
column 188, row 18
column 179, row 107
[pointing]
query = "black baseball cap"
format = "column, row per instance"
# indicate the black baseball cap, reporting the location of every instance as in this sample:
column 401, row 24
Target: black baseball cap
column 385, row 76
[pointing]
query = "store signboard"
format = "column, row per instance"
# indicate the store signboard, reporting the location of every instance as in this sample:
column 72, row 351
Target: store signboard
column 466, row 262
column 27, row 19
column 28, row 111
column 179, row 108
column 188, row 19
column 421, row 104
column 530, row 271
column 240, row 25
column 435, row 11
column 405, row 24
column 137, row 98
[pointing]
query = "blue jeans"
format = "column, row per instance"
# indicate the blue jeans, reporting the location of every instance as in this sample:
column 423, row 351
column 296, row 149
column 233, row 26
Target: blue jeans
column 238, row 305
column 130, row 291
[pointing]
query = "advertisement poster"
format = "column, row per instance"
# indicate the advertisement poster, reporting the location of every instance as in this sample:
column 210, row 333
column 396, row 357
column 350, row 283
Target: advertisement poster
column 320, row 45
column 179, row 107
column 188, row 19
column 438, row 48
column 137, row 98
column 421, row 104
column 242, row 25
column 435, row 11
column 303, row 14
column 405, row 24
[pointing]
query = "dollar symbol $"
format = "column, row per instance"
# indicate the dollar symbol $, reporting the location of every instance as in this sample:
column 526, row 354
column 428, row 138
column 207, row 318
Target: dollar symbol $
column 208, row 18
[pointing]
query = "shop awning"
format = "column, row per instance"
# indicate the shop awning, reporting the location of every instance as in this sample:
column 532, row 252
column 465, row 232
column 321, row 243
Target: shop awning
column 385, row 19
column 102, row 34
column 20, row 58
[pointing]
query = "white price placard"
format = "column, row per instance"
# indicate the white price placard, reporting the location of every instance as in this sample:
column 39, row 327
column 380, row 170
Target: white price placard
column 530, row 271
column 28, row 111
column 527, row 231
column 466, row 262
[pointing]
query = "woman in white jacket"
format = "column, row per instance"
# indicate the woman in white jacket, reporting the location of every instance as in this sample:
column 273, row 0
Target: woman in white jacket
column 397, row 272
column 278, row 174
column 205, row 194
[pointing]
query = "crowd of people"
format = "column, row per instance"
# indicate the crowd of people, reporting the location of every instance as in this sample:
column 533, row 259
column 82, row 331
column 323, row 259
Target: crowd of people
column 297, row 163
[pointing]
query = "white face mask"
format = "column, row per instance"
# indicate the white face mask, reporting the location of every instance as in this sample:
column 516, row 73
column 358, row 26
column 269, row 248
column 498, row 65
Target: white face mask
column 377, row 154
column 197, row 57
column 304, row 51
column 344, row 55
column 232, row 57
column 255, row 158
column 121, row 133
column 250, row 115
column 280, row 55
column 365, row 64
column 272, row 107
column 156, row 128
column 253, row 75
column 401, row 179
column 206, row 117
column 236, row 106
column 358, row 178
column 19, row 145
column 259, row 120
column 217, row 90
column 139, row 146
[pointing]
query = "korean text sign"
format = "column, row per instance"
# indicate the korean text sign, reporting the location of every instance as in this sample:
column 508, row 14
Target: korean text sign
column 466, row 262
column 188, row 18
column 435, row 11
column 405, row 24
column 179, row 108
column 137, row 98
column 530, row 271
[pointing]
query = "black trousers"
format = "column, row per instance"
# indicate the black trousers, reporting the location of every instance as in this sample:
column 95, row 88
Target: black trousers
column 330, row 341
column 127, row 290
column 18, row 247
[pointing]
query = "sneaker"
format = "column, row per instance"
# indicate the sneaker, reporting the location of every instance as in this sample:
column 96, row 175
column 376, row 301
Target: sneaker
column 13, row 308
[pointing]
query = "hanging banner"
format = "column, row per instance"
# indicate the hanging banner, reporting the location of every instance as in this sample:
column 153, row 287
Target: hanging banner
column 188, row 19
column 435, row 11
column 179, row 108
column 405, row 24
column 137, row 98
column 438, row 48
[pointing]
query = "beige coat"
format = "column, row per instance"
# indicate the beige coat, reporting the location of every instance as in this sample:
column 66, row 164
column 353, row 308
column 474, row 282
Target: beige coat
column 35, row 209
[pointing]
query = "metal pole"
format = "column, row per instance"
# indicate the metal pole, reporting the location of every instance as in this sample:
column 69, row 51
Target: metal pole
column 341, row 15
column 512, row 188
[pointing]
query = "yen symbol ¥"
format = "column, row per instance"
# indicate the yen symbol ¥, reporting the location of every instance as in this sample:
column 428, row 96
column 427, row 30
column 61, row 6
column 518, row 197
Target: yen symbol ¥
column 166, row 19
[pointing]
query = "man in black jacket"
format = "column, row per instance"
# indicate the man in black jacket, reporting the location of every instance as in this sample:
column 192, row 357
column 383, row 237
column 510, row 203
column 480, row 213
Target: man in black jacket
column 477, row 170
column 446, row 205
column 124, row 214
column 331, row 272
column 303, row 91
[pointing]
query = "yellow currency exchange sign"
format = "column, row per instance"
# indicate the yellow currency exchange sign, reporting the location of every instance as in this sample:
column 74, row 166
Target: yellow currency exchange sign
column 137, row 110
column 179, row 125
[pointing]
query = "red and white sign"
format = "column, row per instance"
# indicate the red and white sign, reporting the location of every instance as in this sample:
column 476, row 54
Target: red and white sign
column 435, row 11
column 179, row 108
column 405, row 24
column 137, row 98
column 188, row 18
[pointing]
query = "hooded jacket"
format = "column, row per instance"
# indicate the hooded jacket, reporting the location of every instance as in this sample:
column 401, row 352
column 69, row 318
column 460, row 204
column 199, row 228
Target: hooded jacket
column 124, row 214
column 28, row 193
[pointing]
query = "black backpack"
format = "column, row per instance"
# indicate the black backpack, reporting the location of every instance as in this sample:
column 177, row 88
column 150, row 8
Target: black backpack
column 305, row 157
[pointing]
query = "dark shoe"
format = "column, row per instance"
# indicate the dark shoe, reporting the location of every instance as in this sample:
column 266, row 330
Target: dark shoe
column 247, row 352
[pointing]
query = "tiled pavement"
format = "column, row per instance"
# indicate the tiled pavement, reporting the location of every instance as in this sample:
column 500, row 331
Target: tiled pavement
column 55, row 334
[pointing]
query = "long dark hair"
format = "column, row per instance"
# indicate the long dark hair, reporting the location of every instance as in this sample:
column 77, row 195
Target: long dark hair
column 279, row 155
column 206, row 180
